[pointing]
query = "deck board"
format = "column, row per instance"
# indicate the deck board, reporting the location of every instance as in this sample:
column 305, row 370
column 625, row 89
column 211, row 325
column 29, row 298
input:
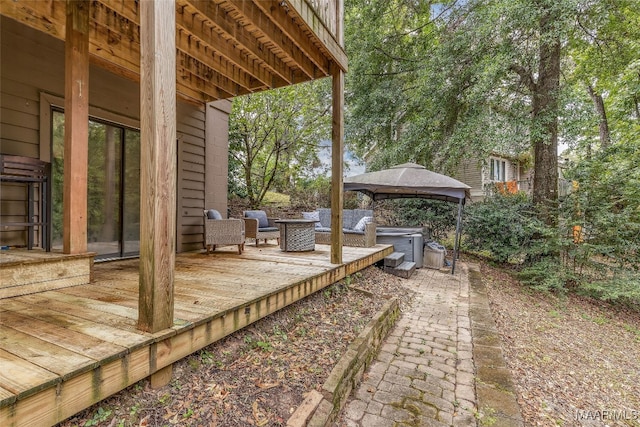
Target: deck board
column 65, row 349
column 18, row 375
column 71, row 340
column 41, row 353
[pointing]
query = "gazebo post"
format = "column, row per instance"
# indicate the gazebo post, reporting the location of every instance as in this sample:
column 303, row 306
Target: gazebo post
column 456, row 243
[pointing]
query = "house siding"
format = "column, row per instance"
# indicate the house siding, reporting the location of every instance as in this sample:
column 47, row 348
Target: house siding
column 32, row 64
column 470, row 172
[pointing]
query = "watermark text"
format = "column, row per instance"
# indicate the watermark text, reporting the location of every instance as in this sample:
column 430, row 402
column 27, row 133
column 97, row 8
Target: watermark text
column 608, row 415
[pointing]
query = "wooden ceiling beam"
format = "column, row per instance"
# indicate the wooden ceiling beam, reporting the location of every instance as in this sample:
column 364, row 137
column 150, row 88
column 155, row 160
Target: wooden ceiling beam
column 209, row 78
column 269, row 30
column 230, row 42
column 222, row 21
column 192, row 47
column 48, row 17
column 323, row 35
column 293, row 31
column 223, row 47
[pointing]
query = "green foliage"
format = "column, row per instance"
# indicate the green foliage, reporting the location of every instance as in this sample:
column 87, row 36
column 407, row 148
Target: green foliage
column 276, row 199
column 505, row 225
column 595, row 248
column 100, row 416
column 312, row 192
column 548, row 274
column 438, row 216
column 274, row 138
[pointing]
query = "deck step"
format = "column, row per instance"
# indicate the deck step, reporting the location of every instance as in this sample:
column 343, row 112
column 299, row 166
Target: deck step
column 404, row 270
column 394, row 260
column 24, row 272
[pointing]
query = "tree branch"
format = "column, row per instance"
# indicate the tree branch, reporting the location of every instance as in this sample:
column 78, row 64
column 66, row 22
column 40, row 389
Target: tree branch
column 525, row 76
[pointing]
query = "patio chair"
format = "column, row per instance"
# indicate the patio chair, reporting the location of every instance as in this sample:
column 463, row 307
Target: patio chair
column 259, row 226
column 222, row 232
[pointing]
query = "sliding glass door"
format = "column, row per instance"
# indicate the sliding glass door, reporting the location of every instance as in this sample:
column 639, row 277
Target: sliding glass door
column 113, row 192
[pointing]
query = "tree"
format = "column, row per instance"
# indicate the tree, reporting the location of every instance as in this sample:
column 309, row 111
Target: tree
column 274, row 137
column 603, row 70
column 464, row 78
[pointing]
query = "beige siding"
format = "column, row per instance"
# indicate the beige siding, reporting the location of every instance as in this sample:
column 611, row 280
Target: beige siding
column 191, row 176
column 33, row 63
column 470, row 172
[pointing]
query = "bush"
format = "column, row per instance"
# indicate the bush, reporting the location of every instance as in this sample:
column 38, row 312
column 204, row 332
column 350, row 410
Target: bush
column 438, row 216
column 505, row 226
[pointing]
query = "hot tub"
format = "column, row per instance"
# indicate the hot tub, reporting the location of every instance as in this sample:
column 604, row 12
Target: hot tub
column 408, row 240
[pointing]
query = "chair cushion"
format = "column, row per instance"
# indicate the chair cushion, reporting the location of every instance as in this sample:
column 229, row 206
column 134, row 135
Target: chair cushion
column 362, row 223
column 325, row 217
column 213, row 214
column 266, row 229
column 261, row 216
column 315, row 215
column 323, row 229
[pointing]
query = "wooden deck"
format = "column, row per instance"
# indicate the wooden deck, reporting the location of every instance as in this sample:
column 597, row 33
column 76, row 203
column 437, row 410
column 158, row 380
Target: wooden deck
column 63, row 350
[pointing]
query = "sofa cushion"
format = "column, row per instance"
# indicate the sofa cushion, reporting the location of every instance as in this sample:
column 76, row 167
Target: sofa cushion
column 348, row 219
column 359, row 213
column 352, row 231
column 261, row 216
column 325, row 217
column 362, row 223
column 315, row 215
column 324, row 229
column 213, row 214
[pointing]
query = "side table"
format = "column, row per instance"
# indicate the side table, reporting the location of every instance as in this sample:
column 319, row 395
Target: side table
column 297, row 235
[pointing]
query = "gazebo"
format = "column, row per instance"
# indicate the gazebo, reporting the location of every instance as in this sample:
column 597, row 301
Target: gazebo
column 410, row 180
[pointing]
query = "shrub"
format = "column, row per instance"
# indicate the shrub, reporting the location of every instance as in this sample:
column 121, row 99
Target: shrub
column 505, row 226
column 438, row 216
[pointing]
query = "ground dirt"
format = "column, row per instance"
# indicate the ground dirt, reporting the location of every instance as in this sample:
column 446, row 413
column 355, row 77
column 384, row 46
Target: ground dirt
column 571, row 357
column 575, row 361
column 259, row 375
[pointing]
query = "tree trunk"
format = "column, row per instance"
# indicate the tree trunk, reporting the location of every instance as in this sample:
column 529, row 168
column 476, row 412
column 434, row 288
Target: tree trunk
column 603, row 126
column 544, row 135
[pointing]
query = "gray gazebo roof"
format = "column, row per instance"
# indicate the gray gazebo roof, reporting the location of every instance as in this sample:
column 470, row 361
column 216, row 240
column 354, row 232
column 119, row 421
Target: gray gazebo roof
column 408, row 180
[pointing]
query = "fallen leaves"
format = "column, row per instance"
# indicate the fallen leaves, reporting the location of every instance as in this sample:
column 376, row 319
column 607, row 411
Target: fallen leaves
column 258, row 376
column 567, row 354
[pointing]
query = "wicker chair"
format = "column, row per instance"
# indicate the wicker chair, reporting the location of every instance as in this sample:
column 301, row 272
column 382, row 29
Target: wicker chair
column 258, row 226
column 222, row 232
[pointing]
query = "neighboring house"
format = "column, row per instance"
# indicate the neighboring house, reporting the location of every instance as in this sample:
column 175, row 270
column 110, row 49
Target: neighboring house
column 496, row 173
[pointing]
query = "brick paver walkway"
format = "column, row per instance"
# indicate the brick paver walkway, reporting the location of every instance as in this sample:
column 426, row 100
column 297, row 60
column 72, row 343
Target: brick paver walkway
column 424, row 373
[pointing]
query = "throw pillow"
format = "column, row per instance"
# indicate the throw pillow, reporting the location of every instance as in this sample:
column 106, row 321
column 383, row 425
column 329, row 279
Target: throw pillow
column 261, row 216
column 213, row 214
column 315, row 215
column 363, row 223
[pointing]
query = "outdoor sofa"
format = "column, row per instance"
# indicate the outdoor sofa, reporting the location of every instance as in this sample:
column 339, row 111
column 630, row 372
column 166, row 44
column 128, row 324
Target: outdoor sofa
column 358, row 228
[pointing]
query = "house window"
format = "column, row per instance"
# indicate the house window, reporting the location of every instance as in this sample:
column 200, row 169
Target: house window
column 498, row 168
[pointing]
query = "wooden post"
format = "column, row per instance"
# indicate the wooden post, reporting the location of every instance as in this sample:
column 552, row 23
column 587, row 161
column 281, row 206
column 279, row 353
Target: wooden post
column 76, row 127
column 157, row 164
column 337, row 136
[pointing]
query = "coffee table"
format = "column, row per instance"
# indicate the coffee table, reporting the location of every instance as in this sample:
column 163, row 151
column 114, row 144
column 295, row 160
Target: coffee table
column 297, row 235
